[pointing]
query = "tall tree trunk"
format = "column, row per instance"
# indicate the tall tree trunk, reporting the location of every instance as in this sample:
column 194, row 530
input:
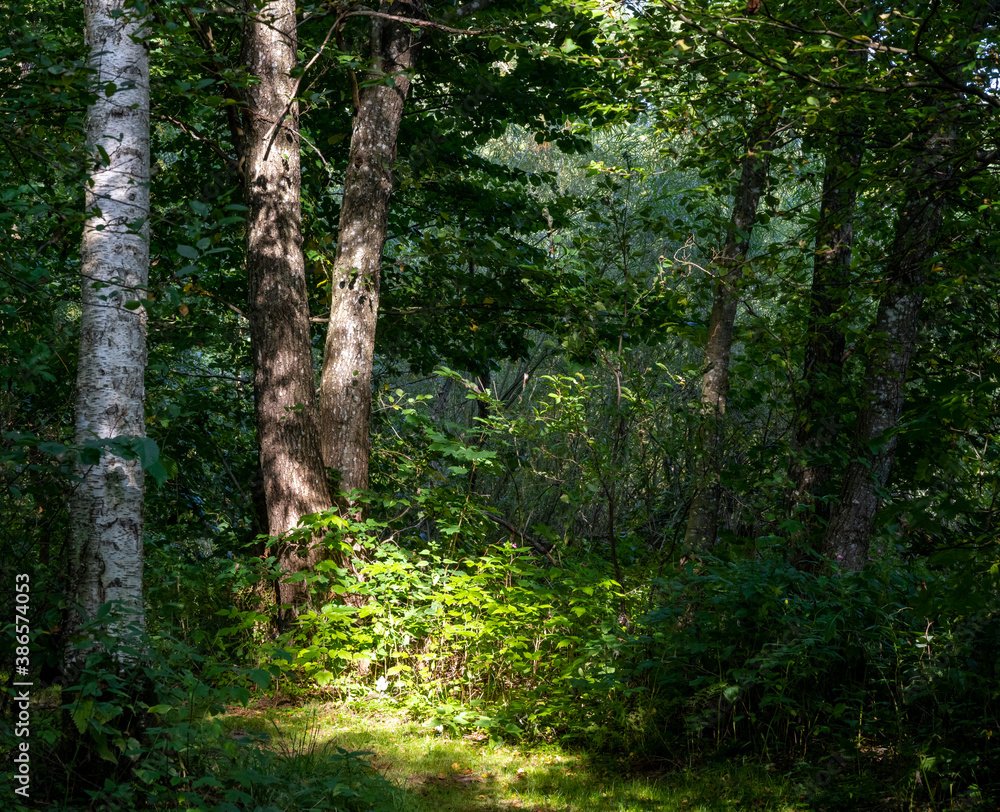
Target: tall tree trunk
column 294, row 479
column 895, row 339
column 818, row 420
column 105, row 559
column 703, row 515
column 345, row 384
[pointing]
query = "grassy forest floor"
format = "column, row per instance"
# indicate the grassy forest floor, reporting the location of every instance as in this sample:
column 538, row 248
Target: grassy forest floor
column 776, row 690
column 433, row 771
column 293, row 753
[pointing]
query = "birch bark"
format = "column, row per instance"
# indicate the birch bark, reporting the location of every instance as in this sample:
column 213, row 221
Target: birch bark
column 105, row 559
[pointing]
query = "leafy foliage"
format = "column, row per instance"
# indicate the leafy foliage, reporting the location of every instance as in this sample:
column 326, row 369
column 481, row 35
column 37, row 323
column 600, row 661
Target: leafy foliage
column 561, row 195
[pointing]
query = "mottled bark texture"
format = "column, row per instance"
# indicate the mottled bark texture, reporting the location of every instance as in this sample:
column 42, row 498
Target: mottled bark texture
column 703, row 515
column 105, row 560
column 345, row 385
column 819, row 411
column 294, row 480
column 873, row 445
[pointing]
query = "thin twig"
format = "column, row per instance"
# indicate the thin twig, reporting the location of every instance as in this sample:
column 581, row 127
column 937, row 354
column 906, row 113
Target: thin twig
column 540, row 546
column 292, row 96
column 193, row 132
column 412, row 21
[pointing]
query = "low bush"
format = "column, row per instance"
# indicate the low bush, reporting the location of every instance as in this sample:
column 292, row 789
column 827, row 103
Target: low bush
column 143, row 728
column 534, row 645
column 758, row 656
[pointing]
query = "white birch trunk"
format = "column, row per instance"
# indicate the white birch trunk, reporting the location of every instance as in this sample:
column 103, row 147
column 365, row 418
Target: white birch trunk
column 105, row 562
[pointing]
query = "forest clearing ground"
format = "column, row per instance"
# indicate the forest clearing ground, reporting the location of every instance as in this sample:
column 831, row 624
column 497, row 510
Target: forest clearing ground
column 449, row 773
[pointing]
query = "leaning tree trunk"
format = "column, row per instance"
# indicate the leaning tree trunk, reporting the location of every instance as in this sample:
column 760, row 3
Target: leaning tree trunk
column 345, row 384
column 294, row 480
column 818, row 420
column 873, row 446
column 105, row 559
column 703, row 515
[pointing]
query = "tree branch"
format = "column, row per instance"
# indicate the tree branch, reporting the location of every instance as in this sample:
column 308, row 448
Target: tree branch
column 204, row 35
column 197, row 136
column 537, row 544
column 367, row 12
column 245, row 381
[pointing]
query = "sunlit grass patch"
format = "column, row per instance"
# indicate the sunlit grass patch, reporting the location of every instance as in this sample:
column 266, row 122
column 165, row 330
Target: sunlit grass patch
column 442, row 773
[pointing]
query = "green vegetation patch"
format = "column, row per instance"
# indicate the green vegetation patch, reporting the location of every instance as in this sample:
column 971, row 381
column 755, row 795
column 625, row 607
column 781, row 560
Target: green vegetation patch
column 447, row 773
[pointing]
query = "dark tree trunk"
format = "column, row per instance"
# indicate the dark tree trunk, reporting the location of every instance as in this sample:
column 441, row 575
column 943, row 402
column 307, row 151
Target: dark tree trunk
column 873, row 446
column 345, row 385
column 818, row 420
column 294, row 480
column 703, row 515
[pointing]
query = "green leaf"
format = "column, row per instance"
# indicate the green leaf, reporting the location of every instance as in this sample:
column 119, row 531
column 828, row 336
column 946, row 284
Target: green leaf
column 260, row 677
column 82, row 713
column 188, row 251
column 158, row 472
column 146, row 450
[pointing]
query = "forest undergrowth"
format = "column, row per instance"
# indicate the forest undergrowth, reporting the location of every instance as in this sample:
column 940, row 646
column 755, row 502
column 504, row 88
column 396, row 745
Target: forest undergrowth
column 442, row 671
column 499, row 681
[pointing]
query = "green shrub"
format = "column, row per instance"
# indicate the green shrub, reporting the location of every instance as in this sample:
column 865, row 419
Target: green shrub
column 143, row 728
column 532, row 643
column 757, row 655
